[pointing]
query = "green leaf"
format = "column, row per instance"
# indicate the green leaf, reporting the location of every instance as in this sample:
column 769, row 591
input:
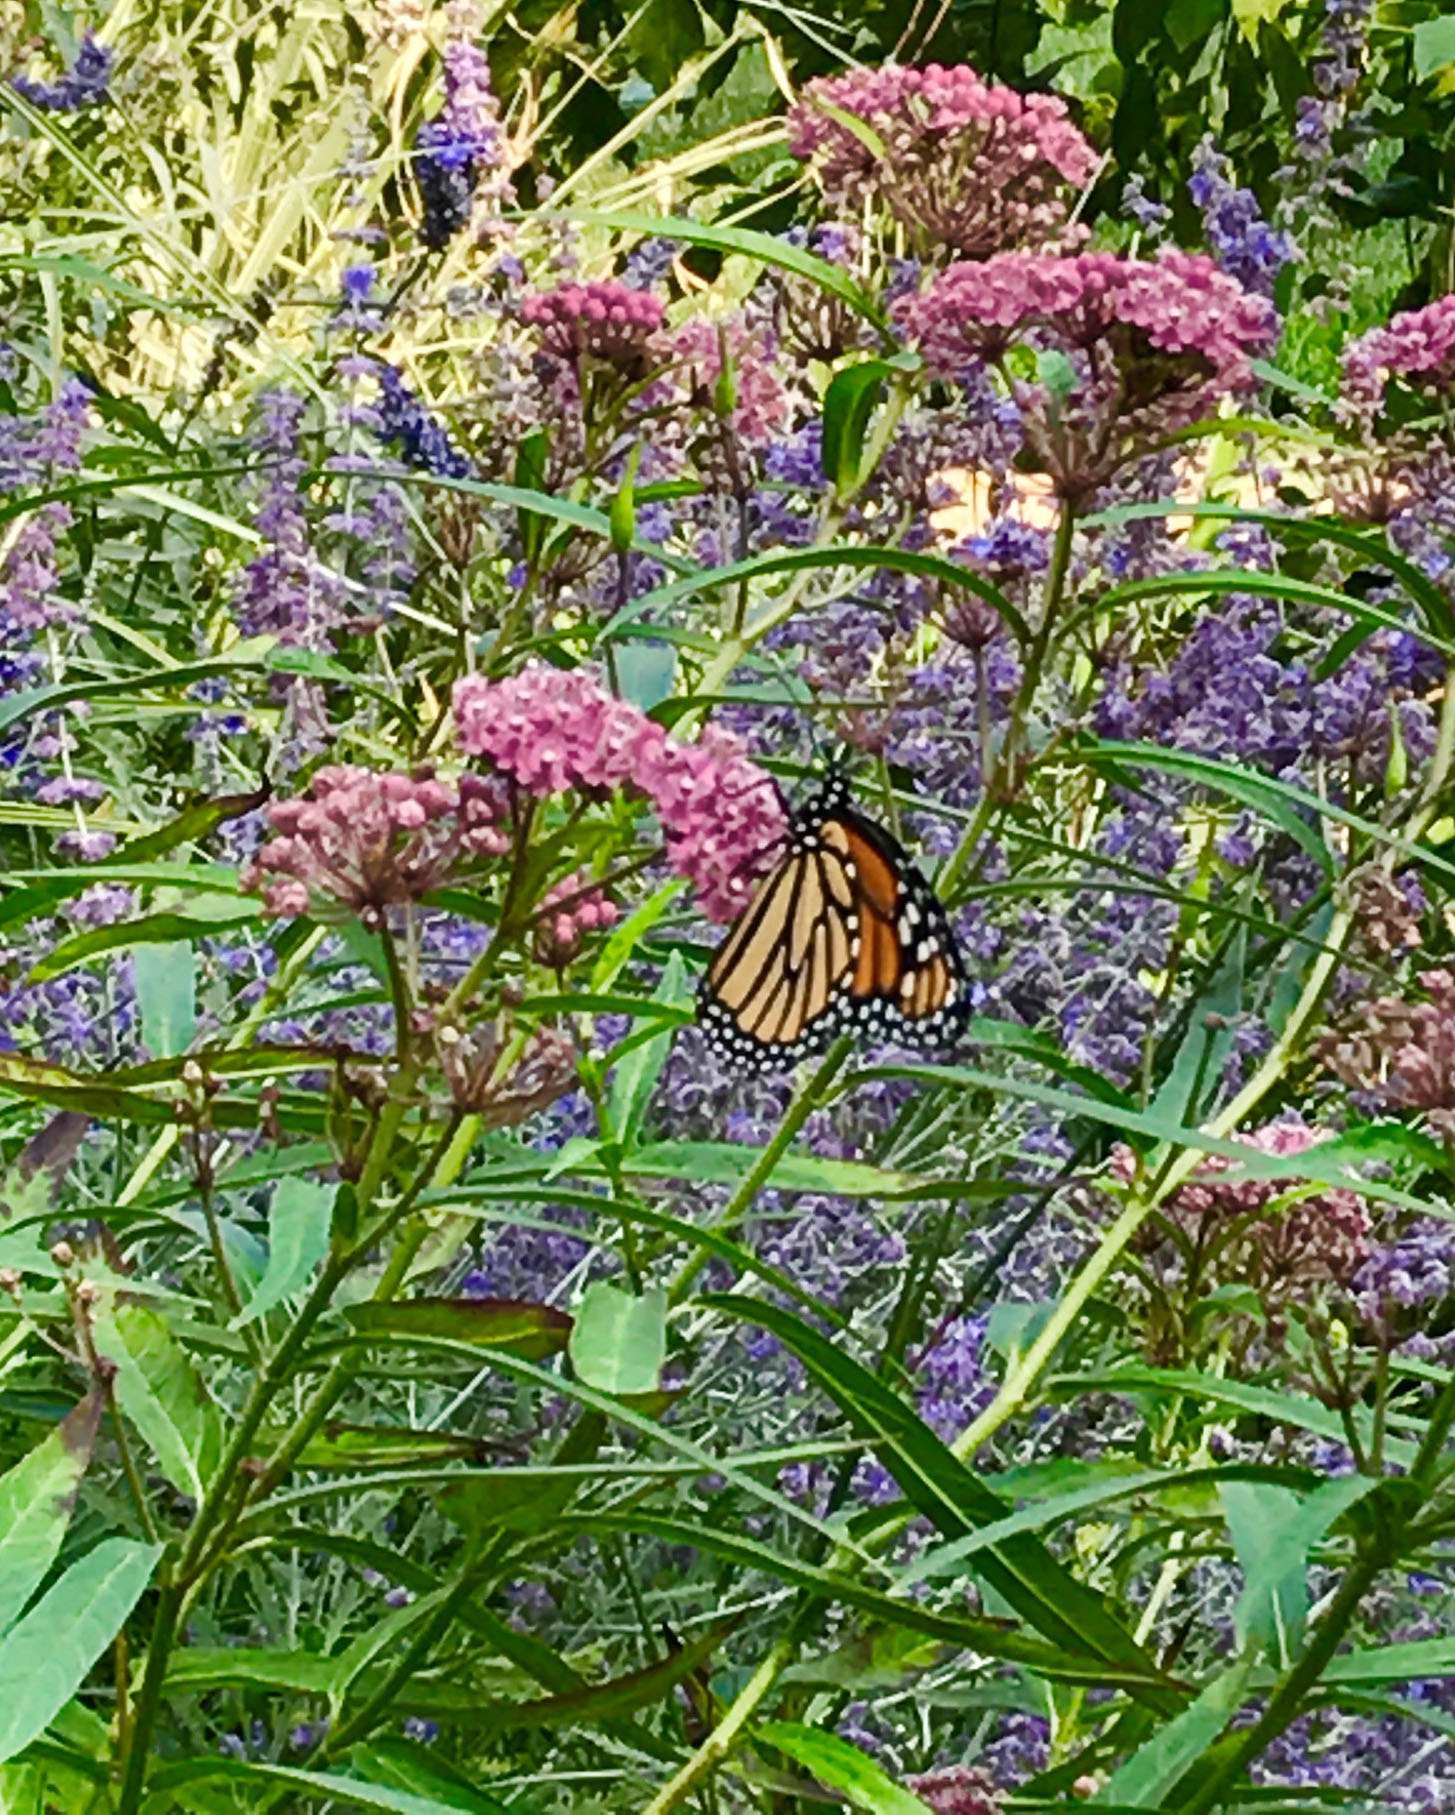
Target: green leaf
column 1143, row 1780
column 530, row 476
column 36, row 1498
column 847, row 406
column 299, row 1219
column 645, row 672
column 842, row 1767
column 320, row 1786
column 534, row 1331
column 192, row 1668
column 1433, row 41
column 403, row 1764
column 624, row 939
column 766, row 247
column 204, row 917
column 1021, row 1570
column 796, row 560
column 1275, row 800
column 166, row 993
column 620, row 1341
column 1273, row 1531
column 47, row 1656
column 635, row 1072
column 1205, row 1046
column 160, row 1392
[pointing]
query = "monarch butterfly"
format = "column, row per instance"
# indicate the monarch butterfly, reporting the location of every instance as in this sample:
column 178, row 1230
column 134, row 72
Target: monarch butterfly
column 844, row 935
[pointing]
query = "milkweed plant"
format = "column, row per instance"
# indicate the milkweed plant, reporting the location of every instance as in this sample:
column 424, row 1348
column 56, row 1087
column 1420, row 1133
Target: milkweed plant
column 436, row 563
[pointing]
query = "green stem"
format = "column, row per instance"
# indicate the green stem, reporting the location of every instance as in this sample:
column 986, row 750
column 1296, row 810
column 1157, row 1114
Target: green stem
column 999, row 783
column 1287, row 1700
column 809, row 1099
column 1022, row 1376
column 149, row 1699
column 724, row 1736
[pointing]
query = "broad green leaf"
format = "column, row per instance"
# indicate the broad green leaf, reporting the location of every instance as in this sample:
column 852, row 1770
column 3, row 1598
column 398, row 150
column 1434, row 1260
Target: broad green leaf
column 299, row 1219
column 1273, row 1607
column 36, row 1498
column 847, row 406
column 842, row 1767
column 1434, row 46
column 531, row 1330
column 166, row 993
column 620, row 1340
column 645, row 671
column 160, row 1392
column 46, row 1656
column 635, row 1072
column 1152, row 1770
column 1020, row 1569
column 1273, row 1531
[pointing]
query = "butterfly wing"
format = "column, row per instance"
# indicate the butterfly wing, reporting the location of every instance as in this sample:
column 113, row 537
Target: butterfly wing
column 844, row 935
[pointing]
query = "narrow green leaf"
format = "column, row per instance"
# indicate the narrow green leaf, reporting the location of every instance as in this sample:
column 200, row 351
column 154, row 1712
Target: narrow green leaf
column 322, row 1786
column 403, row 1764
column 192, row 1668
column 160, row 1392
column 534, row 1331
column 766, row 247
column 299, row 1219
column 171, row 930
column 45, row 1658
column 625, row 938
column 796, row 560
column 635, row 1073
column 620, row 1341
column 1020, row 1569
column 36, row 1498
column 842, row 1767
column 1142, row 1781
column 166, row 993
column 1273, row 1531
column 847, row 406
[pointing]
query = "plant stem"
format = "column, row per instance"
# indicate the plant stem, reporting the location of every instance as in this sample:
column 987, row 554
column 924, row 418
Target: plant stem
column 724, row 1736
column 809, row 1099
column 1286, row 1701
column 1022, row 1376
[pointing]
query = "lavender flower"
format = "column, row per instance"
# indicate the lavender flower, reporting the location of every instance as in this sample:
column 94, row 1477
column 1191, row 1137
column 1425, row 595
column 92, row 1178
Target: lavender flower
column 85, row 83
column 1241, row 241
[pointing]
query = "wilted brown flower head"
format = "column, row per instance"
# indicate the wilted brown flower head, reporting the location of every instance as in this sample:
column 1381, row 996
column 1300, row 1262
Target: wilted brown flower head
column 1403, row 1053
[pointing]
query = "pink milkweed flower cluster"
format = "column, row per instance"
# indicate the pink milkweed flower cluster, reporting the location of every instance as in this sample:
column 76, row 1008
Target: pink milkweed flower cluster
column 369, row 841
column 551, row 729
column 1417, row 346
column 960, row 162
column 1323, row 1235
column 569, row 910
column 1131, row 350
column 609, row 322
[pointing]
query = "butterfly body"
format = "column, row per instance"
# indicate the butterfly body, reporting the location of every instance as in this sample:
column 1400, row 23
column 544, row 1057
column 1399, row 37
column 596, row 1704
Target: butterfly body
column 842, row 936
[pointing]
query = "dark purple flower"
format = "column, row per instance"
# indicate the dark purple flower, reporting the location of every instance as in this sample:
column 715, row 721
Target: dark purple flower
column 83, row 85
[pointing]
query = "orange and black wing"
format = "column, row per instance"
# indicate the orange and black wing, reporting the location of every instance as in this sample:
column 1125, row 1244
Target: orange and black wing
column 843, row 936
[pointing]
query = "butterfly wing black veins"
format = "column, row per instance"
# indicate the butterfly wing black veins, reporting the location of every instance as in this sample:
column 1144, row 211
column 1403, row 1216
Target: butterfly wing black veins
column 844, row 935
